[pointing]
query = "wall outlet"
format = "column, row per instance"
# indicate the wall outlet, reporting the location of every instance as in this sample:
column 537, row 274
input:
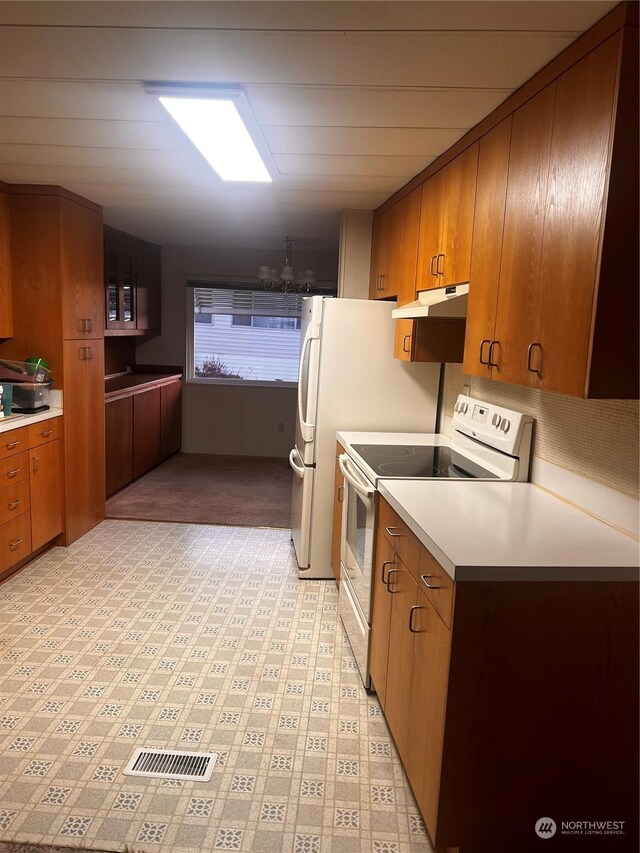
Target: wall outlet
column 280, row 426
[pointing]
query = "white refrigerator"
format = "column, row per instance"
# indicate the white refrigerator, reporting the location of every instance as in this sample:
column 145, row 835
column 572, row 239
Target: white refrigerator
column 348, row 380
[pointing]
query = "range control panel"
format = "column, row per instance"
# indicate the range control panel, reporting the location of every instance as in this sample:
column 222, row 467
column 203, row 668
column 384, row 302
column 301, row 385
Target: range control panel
column 493, row 425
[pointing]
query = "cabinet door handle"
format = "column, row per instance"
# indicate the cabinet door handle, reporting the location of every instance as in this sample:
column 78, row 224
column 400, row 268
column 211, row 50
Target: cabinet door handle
column 529, row 355
column 438, row 270
column 340, row 494
column 90, row 356
column 390, row 529
column 432, row 264
column 86, row 353
column 425, row 581
column 382, row 278
column 89, row 325
column 482, row 343
column 15, row 544
column 13, row 473
column 15, row 503
column 46, row 433
column 491, row 362
column 411, row 612
column 389, row 573
column 386, row 563
column 11, row 445
column 36, row 464
column 405, row 347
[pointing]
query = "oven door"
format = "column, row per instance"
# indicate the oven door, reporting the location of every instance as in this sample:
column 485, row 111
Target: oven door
column 358, row 533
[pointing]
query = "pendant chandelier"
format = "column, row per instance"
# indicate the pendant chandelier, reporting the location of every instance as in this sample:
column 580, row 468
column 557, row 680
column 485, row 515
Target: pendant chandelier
column 287, row 279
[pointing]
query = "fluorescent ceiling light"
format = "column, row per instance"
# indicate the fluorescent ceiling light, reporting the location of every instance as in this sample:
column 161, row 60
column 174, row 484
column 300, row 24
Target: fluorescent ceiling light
column 217, row 130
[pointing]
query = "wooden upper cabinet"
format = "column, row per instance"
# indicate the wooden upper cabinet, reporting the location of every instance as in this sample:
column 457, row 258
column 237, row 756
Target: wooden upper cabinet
column 446, row 223
column 81, row 267
column 574, row 213
column 131, row 292
column 6, row 311
column 488, row 224
column 566, row 303
column 394, row 251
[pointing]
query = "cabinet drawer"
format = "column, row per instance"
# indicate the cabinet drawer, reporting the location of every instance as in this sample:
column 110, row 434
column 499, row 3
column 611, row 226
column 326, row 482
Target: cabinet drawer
column 437, row 585
column 14, row 500
column 14, row 442
column 404, row 542
column 14, row 468
column 15, row 541
column 45, row 431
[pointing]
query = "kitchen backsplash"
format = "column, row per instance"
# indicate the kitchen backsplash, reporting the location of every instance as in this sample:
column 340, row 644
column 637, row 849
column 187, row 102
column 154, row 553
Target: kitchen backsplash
column 595, row 438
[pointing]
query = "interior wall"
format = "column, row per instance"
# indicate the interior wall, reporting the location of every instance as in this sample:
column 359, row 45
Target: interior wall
column 236, row 420
column 595, row 438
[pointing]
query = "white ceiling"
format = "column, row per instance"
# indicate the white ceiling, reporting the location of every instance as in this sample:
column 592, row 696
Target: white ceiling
column 353, row 99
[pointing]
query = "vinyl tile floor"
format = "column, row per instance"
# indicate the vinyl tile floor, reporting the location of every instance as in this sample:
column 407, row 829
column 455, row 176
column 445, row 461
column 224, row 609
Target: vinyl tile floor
column 190, row 637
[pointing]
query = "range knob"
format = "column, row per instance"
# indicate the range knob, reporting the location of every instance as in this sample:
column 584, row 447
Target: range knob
column 464, row 407
column 505, row 425
column 495, row 420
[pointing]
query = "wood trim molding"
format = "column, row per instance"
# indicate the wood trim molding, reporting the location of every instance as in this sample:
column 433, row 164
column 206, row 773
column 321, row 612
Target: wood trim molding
column 625, row 14
column 139, row 387
column 46, row 189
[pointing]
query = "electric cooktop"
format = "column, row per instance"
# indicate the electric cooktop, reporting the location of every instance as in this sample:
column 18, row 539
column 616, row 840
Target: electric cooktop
column 420, row 461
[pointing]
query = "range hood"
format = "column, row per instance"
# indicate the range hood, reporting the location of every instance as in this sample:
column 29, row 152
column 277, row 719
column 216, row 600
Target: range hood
column 439, row 302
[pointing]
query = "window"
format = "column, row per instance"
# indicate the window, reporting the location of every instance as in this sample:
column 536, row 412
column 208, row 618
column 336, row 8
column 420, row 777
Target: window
column 238, row 334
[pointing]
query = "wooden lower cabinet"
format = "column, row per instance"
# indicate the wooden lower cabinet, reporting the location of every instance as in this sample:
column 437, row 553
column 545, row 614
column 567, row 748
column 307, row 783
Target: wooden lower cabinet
column 45, row 478
column 508, row 700
column 170, row 419
column 119, row 443
column 31, row 490
column 146, row 431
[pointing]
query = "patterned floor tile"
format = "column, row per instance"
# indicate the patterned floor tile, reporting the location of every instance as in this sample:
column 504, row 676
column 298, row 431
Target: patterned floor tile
column 195, row 638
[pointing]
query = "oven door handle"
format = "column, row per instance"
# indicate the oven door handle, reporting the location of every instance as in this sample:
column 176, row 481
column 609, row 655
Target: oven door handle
column 362, row 487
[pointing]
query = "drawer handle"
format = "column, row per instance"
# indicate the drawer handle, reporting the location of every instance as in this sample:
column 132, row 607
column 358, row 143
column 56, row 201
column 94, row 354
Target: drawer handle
column 389, row 573
column 15, row 544
column 386, row 563
column 15, row 503
column 425, row 581
column 390, row 529
column 411, row 612
column 46, row 433
column 11, row 445
column 14, row 473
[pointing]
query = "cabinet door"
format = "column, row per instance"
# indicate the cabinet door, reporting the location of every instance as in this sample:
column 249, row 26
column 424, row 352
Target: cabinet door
column 118, row 444
column 381, row 237
column 431, row 651
column 486, row 254
column 403, row 343
column 6, row 311
column 403, row 591
column 381, row 616
column 170, row 419
column 578, row 173
column 336, row 530
column 404, row 257
column 147, row 291
column 82, row 263
column 46, row 493
column 119, row 282
column 457, row 224
column 522, row 241
column 146, row 431
column 430, row 242
column 84, row 436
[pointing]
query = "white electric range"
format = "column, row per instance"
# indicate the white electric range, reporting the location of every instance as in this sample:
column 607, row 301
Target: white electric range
column 489, row 443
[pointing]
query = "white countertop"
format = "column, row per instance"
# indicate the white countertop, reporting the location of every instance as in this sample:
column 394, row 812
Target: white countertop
column 7, row 424
column 485, row 531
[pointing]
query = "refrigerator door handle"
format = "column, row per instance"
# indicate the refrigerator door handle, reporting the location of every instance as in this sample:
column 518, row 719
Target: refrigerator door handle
column 359, row 484
column 298, row 470
column 313, row 333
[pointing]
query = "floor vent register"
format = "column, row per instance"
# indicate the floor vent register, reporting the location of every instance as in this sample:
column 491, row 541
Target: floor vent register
column 171, row 764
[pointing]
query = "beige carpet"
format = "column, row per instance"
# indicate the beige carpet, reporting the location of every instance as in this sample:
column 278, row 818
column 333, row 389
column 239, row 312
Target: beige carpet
column 244, row 491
